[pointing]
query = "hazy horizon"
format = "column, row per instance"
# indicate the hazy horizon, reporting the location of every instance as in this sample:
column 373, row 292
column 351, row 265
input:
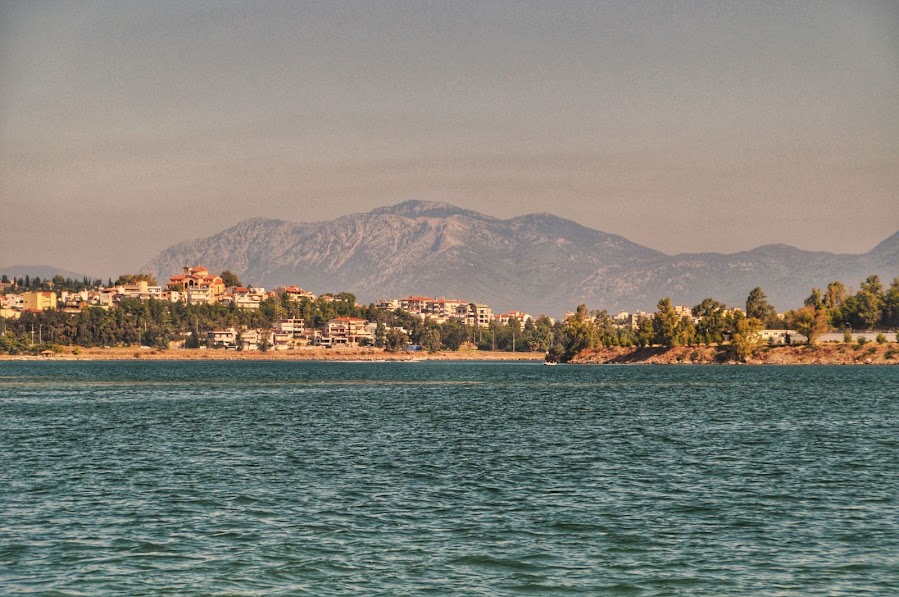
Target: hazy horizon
column 126, row 127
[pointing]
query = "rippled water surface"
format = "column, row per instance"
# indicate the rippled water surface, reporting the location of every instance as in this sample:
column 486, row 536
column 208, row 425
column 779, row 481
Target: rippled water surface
column 447, row 478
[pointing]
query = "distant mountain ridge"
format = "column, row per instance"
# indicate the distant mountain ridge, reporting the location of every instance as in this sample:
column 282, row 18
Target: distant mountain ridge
column 539, row 263
column 44, row 272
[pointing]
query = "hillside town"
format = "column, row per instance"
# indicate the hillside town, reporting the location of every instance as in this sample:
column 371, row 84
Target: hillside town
column 247, row 318
column 197, row 286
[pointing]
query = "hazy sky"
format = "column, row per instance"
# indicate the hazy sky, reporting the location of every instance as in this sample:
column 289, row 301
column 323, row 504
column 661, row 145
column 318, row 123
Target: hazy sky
column 128, row 126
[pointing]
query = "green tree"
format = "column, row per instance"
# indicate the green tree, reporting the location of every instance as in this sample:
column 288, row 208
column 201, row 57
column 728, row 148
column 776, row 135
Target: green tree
column 686, row 332
column 834, row 298
column 135, row 278
column 872, row 284
column 815, row 300
column 380, row 335
column 711, row 326
column 865, row 308
column 665, row 324
column 645, row 332
column 453, row 334
column 396, row 340
column 193, row 341
column 432, row 340
column 543, row 334
column 757, row 307
column 579, row 335
column 835, row 295
column 744, row 336
column 230, row 279
column 809, row 321
column 890, row 316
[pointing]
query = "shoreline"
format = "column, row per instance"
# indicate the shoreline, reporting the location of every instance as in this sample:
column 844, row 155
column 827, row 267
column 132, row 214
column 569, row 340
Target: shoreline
column 819, row 354
column 822, row 354
column 136, row 353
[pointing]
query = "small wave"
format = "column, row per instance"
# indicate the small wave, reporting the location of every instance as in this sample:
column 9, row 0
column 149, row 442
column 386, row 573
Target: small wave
column 495, row 563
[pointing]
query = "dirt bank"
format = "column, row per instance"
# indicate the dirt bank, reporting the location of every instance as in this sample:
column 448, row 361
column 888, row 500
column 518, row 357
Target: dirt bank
column 313, row 354
column 825, row 354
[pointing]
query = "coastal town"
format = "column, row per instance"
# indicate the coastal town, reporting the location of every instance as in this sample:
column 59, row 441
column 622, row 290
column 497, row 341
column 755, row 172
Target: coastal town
column 289, row 318
column 197, row 286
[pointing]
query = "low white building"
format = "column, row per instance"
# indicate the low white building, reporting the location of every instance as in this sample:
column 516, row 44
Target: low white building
column 232, row 338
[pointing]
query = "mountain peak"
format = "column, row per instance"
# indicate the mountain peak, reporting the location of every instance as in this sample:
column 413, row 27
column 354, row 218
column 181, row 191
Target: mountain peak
column 889, row 245
column 536, row 262
column 415, row 208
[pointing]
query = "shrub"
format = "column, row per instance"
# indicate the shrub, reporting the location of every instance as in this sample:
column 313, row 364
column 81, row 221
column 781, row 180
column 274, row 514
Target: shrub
column 847, row 336
column 881, row 339
column 862, row 340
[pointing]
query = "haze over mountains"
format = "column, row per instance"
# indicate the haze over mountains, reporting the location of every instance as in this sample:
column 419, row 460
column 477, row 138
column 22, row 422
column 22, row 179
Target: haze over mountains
column 538, row 263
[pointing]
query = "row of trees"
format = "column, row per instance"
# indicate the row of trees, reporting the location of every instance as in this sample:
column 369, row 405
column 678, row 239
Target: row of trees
column 590, row 330
column 57, row 283
column 873, row 306
column 834, row 308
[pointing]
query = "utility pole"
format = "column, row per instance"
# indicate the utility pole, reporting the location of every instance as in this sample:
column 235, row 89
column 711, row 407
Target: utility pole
column 32, row 334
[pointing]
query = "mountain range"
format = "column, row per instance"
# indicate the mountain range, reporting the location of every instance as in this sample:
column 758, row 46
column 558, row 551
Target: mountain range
column 538, row 263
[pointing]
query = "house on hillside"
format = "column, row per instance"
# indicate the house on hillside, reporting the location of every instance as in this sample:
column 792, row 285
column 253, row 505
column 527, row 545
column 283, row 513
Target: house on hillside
column 296, row 294
column 232, row 338
column 244, row 298
column 346, row 331
column 197, row 285
column 503, row 318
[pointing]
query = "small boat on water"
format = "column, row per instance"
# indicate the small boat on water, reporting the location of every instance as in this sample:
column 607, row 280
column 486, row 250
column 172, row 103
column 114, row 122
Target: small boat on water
column 550, row 363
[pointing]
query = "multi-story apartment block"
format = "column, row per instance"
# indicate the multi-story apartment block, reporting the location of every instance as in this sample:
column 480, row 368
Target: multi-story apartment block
column 346, row 331
column 475, row 314
column 38, row 301
column 229, row 337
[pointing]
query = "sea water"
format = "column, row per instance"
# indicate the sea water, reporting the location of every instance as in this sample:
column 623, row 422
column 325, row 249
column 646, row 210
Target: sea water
column 447, row 479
